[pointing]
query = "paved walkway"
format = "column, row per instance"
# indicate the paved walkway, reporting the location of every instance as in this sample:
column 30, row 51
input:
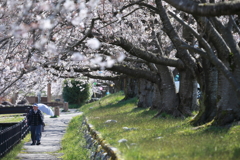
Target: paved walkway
column 51, row 138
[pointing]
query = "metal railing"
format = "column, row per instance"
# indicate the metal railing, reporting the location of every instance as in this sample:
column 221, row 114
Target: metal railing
column 12, row 135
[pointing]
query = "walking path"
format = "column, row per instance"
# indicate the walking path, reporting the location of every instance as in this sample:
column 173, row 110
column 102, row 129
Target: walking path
column 51, row 138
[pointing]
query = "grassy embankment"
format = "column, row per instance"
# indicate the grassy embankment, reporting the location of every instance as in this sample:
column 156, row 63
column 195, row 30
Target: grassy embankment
column 154, row 139
column 12, row 118
column 73, row 142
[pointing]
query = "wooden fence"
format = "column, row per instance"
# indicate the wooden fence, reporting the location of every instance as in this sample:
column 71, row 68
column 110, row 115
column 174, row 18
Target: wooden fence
column 12, row 135
column 8, row 109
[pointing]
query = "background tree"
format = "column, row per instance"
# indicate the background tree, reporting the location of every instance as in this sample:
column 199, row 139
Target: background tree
column 76, row 92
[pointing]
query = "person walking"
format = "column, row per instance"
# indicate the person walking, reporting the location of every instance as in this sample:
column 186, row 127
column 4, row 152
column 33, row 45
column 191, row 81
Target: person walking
column 35, row 120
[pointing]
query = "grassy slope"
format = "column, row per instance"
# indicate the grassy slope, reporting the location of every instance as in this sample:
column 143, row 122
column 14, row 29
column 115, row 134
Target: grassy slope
column 153, row 139
column 73, row 142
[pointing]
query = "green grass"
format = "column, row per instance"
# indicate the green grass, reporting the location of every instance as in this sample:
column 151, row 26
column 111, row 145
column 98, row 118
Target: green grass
column 11, row 118
column 54, row 116
column 73, row 142
column 158, row 138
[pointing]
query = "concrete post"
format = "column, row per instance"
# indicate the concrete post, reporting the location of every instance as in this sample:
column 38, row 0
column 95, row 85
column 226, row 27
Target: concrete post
column 39, row 96
column 49, row 96
column 14, row 97
column 56, row 111
column 65, row 106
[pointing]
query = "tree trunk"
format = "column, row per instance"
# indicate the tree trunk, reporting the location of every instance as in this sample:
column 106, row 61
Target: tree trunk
column 169, row 99
column 156, row 100
column 208, row 99
column 145, row 92
column 119, row 85
column 187, row 93
column 188, row 84
column 228, row 107
column 131, row 88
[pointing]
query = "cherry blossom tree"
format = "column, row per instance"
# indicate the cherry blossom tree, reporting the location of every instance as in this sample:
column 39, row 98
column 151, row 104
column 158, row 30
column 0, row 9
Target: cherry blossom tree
column 44, row 41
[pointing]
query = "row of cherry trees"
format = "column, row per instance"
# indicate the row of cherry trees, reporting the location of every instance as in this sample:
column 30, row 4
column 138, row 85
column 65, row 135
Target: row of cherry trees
column 142, row 41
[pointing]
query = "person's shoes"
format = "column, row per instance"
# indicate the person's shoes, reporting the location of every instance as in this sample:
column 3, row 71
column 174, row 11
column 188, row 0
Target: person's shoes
column 38, row 143
column 33, row 144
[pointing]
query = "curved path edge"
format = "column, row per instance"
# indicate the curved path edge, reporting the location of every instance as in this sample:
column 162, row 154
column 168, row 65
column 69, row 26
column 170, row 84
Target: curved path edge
column 51, row 138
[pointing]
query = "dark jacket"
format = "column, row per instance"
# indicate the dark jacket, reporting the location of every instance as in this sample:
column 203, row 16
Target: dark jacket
column 35, row 118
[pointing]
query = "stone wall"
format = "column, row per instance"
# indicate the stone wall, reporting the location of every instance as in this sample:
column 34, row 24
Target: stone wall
column 98, row 147
column 34, row 99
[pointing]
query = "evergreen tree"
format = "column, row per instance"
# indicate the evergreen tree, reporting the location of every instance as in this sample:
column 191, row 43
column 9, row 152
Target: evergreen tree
column 76, row 92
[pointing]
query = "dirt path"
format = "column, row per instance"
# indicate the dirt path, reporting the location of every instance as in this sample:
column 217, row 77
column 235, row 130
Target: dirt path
column 51, row 138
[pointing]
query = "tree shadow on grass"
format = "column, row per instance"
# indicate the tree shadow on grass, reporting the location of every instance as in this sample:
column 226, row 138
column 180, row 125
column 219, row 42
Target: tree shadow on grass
column 236, row 153
column 144, row 112
column 119, row 104
column 215, row 130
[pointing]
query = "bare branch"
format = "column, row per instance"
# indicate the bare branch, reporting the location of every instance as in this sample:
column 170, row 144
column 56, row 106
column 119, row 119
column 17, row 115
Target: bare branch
column 206, row 9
